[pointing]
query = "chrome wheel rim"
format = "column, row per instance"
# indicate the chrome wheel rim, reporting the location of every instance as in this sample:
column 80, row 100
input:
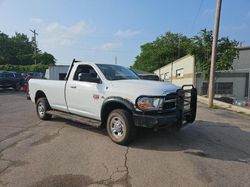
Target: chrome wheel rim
column 41, row 109
column 117, row 127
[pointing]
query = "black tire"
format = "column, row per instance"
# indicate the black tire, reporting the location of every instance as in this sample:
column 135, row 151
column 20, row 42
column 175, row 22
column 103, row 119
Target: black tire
column 126, row 131
column 42, row 106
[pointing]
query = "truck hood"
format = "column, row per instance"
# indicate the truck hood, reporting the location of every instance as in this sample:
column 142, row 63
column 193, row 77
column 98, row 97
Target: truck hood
column 144, row 87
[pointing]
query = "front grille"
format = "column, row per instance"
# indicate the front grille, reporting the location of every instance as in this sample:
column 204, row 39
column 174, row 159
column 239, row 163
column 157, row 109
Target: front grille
column 170, row 101
column 167, row 106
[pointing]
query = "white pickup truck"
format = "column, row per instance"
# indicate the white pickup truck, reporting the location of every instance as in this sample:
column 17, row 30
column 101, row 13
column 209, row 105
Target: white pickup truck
column 112, row 96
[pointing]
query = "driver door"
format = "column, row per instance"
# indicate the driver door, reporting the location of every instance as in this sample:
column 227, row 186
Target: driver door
column 83, row 96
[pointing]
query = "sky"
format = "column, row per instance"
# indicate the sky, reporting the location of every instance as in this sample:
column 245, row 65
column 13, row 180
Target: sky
column 99, row 30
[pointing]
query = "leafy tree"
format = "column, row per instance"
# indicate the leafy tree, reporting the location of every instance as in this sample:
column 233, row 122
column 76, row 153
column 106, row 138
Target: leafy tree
column 24, row 68
column 162, row 51
column 45, row 58
column 18, row 50
column 201, row 48
column 171, row 46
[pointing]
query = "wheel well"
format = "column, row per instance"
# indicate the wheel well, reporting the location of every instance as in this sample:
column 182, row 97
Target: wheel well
column 39, row 94
column 109, row 108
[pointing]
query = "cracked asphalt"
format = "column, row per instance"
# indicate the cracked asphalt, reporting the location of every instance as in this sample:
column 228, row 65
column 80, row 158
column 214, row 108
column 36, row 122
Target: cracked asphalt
column 214, row 151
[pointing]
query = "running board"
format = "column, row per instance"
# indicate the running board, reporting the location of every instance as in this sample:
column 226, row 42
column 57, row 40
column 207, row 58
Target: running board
column 76, row 118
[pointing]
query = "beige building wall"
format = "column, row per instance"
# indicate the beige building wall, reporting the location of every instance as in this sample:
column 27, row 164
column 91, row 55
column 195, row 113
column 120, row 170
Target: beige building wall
column 179, row 72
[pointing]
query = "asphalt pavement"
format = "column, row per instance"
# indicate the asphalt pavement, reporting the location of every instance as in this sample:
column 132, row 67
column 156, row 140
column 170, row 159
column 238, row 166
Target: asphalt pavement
column 213, row 151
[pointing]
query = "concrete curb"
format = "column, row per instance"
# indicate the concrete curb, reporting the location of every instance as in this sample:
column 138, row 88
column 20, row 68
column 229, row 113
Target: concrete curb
column 224, row 105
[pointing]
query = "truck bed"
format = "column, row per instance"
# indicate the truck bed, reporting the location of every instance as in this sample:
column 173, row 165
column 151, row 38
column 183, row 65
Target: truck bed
column 53, row 89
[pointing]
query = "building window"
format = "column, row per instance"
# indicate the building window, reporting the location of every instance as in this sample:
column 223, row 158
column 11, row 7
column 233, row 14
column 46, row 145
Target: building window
column 166, row 76
column 162, row 77
column 220, row 88
column 224, row 88
column 179, row 73
column 62, row 76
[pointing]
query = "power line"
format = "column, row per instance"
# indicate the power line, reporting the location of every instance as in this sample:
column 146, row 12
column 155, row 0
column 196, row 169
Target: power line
column 196, row 16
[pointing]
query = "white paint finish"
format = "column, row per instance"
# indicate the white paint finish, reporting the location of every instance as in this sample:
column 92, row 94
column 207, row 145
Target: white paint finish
column 185, row 66
column 53, row 89
column 80, row 99
column 133, row 88
column 52, row 73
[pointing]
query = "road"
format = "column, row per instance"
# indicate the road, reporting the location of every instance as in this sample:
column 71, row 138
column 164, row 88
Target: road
column 214, row 151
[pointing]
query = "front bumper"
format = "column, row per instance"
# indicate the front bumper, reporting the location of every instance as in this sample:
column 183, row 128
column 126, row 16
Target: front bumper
column 182, row 114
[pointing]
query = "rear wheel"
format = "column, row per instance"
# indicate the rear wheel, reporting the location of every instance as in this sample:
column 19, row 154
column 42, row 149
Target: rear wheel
column 120, row 126
column 42, row 106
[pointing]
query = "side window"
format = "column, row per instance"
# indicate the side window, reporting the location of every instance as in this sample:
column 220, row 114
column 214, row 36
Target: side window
column 166, row 76
column 179, row 73
column 9, row 75
column 85, row 73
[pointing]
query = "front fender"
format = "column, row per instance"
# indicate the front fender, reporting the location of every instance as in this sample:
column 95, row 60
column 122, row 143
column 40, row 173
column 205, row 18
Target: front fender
column 114, row 99
column 114, row 102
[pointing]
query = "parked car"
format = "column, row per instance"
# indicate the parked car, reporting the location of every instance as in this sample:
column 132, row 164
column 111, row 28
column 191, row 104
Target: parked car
column 112, row 96
column 35, row 75
column 145, row 75
column 28, row 76
column 11, row 79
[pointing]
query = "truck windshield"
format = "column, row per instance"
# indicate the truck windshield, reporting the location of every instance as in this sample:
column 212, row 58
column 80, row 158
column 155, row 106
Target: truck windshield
column 115, row 72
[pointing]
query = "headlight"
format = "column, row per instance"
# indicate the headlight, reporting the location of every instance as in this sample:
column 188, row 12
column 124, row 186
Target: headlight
column 149, row 103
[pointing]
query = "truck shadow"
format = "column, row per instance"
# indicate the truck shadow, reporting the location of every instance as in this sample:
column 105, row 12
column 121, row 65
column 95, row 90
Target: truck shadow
column 80, row 125
column 206, row 139
column 203, row 139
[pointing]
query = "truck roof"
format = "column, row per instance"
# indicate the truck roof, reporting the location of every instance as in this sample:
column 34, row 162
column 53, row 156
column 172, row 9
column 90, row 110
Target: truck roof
column 93, row 63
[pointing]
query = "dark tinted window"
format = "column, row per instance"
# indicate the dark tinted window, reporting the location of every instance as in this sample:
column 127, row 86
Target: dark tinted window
column 115, row 72
column 9, row 75
column 18, row 75
column 220, row 88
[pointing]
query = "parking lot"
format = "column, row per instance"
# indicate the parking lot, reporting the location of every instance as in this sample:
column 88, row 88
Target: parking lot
column 214, row 151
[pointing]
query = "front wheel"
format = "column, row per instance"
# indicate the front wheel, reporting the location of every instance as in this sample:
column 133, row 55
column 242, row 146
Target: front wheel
column 120, row 126
column 42, row 106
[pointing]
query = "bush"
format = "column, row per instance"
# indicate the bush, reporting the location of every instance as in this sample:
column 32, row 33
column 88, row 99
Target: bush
column 24, row 68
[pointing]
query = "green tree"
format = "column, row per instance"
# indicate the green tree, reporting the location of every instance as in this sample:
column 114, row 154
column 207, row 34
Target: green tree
column 162, row 51
column 46, row 58
column 201, row 48
column 18, row 50
column 24, row 68
column 21, row 50
column 5, row 46
column 171, row 46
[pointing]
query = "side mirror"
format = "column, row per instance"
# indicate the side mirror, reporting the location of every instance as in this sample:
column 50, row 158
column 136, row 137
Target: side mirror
column 86, row 77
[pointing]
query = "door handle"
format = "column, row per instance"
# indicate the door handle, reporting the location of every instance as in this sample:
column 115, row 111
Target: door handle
column 72, row 86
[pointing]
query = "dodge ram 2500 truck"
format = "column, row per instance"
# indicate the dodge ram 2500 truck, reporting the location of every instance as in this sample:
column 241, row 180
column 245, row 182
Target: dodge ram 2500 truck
column 112, row 96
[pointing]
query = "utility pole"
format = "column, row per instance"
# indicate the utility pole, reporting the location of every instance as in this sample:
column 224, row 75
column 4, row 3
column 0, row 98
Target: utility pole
column 179, row 46
column 115, row 59
column 172, row 71
column 214, row 54
column 34, row 42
